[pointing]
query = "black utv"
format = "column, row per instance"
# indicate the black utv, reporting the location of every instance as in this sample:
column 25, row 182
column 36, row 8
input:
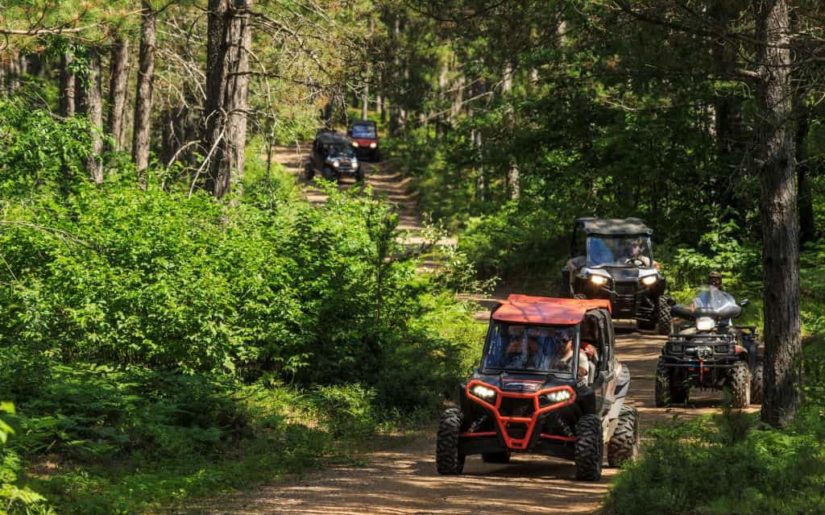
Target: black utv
column 333, row 157
column 548, row 383
column 708, row 351
column 611, row 259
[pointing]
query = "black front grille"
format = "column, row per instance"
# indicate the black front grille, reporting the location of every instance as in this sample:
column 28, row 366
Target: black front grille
column 511, row 407
column 626, row 289
column 517, row 430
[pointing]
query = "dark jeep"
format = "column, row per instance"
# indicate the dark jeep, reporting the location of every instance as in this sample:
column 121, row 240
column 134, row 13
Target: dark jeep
column 333, row 157
column 709, row 352
column 548, row 383
column 365, row 139
column 611, row 259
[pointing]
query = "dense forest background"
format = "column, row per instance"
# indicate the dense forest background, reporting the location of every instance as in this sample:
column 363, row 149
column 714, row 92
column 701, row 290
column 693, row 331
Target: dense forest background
column 173, row 311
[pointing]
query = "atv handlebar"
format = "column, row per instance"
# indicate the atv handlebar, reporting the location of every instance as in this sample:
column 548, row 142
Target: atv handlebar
column 732, row 311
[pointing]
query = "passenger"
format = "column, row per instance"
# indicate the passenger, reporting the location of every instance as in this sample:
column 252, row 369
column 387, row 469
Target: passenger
column 521, row 356
column 564, row 356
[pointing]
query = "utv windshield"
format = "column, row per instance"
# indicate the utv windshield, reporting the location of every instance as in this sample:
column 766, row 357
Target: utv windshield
column 363, row 131
column 517, row 347
column 618, row 251
column 341, row 151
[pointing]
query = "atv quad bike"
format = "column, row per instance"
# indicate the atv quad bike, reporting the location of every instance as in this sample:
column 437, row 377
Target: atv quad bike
column 710, row 352
column 548, row 383
column 611, row 259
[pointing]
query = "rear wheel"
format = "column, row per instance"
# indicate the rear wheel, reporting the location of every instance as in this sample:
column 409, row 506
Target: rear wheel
column 624, row 444
column 496, row 457
column 663, row 316
column 448, row 459
column 589, row 448
column 739, row 382
column 757, row 393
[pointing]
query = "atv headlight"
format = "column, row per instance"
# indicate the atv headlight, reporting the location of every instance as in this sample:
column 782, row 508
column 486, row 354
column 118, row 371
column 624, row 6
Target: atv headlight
column 336, row 163
column 483, row 392
column 598, row 280
column 558, row 396
column 373, row 144
column 705, row 324
column 650, row 280
column 354, row 143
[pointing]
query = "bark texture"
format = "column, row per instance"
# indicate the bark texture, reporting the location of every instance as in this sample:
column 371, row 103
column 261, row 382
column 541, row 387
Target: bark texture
column 778, row 210
column 118, row 80
column 227, row 83
column 93, row 107
column 67, row 86
column 143, row 101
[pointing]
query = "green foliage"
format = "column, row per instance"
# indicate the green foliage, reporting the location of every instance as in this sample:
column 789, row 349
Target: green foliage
column 700, row 467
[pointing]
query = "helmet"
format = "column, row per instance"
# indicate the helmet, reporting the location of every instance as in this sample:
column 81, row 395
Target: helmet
column 715, row 279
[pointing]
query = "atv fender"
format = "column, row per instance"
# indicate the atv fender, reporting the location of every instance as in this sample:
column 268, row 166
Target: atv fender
column 622, row 382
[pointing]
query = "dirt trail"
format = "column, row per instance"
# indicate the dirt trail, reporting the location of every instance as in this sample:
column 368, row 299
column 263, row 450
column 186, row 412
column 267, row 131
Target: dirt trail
column 404, row 480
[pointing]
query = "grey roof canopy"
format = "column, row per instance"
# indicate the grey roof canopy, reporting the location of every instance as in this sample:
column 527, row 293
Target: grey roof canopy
column 613, row 226
column 331, row 138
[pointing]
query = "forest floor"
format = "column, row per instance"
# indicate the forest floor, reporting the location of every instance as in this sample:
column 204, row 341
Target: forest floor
column 403, row 479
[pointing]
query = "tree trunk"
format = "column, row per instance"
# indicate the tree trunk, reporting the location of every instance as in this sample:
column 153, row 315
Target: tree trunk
column 93, row 107
column 118, row 80
column 778, row 210
column 227, row 83
column 807, row 222
column 365, row 101
column 143, row 101
column 67, row 85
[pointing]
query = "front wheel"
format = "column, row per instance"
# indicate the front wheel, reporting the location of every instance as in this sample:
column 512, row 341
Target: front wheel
column 448, row 458
column 739, row 382
column 589, row 448
column 757, row 391
column 359, row 175
column 663, row 316
column 668, row 390
column 309, row 172
column 328, row 173
column 623, row 446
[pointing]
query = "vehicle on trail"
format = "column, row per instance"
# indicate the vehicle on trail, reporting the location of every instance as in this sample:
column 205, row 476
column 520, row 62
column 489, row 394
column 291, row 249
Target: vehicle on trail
column 709, row 352
column 548, row 383
column 364, row 136
column 611, row 259
column 333, row 157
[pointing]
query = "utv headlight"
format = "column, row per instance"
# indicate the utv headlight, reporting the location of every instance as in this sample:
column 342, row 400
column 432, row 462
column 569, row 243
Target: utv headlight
column 598, row 280
column 482, row 392
column 373, row 144
column 558, row 396
column 354, row 143
column 336, row 163
column 705, row 324
column 650, row 280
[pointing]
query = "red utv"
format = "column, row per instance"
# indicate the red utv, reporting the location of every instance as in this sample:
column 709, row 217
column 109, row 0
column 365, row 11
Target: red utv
column 364, row 137
column 548, row 383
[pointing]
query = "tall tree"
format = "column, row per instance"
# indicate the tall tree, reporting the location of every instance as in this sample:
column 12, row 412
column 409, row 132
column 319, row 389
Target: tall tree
column 778, row 212
column 227, row 83
column 143, row 101
column 89, row 101
column 67, row 85
column 118, row 80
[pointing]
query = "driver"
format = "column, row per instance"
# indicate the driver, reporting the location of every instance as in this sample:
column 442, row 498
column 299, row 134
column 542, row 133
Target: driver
column 715, row 280
column 564, row 355
column 635, row 252
column 519, row 356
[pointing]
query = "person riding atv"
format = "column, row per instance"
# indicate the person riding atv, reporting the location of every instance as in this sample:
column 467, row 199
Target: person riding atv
column 710, row 352
column 611, row 259
column 548, row 383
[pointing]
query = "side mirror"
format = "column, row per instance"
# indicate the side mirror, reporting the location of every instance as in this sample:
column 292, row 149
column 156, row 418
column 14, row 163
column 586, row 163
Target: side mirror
column 744, row 302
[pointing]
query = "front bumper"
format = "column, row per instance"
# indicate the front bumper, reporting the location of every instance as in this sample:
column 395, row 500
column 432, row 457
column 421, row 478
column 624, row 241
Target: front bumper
column 628, row 299
column 517, row 422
